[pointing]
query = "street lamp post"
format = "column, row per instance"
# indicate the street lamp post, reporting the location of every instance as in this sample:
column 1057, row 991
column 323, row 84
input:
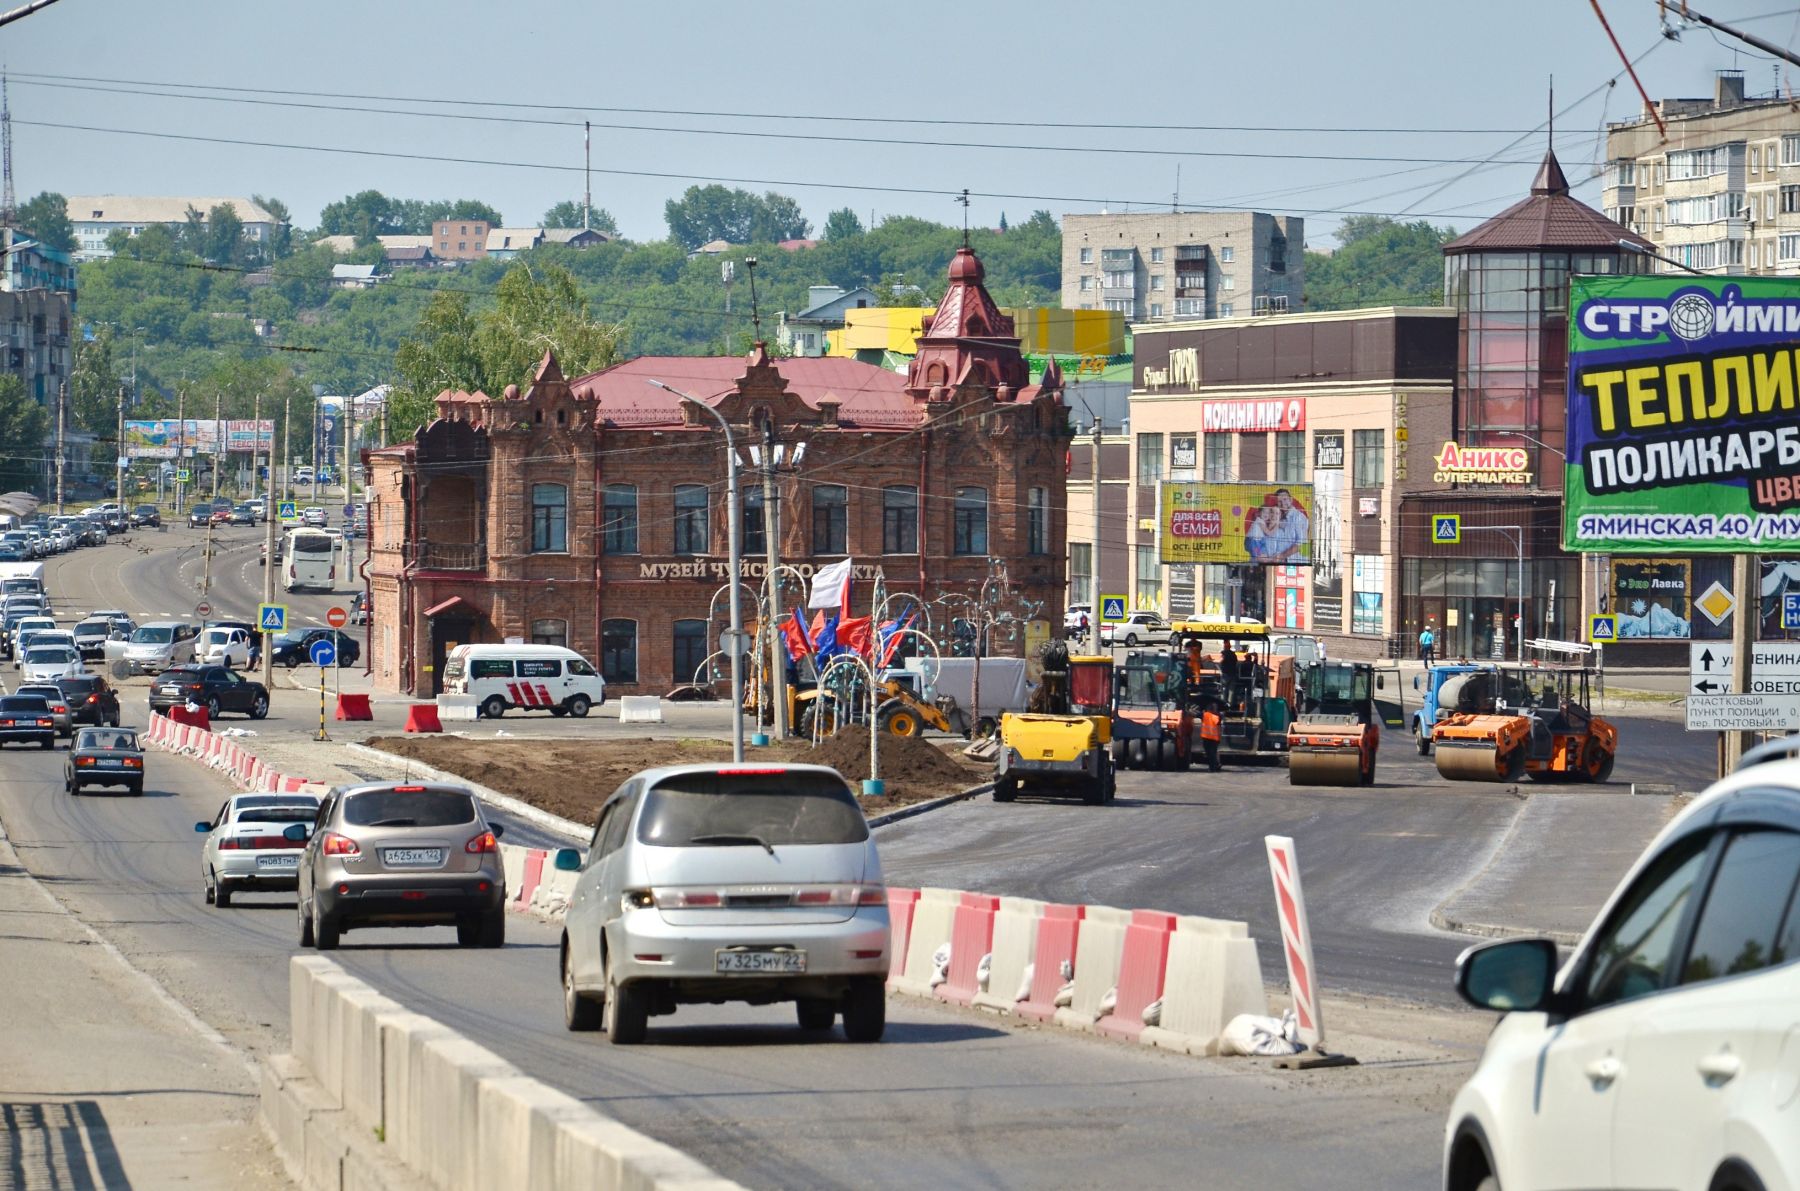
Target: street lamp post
column 734, row 532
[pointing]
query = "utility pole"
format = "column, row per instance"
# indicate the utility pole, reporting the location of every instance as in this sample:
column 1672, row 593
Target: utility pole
column 587, row 174
column 218, row 429
column 287, row 448
column 119, row 447
column 180, row 442
column 62, row 429
column 349, row 501
column 1099, row 535
column 269, row 563
column 778, row 683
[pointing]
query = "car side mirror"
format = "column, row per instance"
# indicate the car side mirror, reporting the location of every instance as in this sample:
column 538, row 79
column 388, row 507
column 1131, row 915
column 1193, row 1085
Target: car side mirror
column 294, row 833
column 203, row 828
column 568, row 860
column 1509, row 975
column 499, row 829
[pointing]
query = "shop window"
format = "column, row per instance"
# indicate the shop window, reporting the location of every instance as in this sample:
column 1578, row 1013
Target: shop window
column 549, row 519
column 970, row 534
column 548, row 632
column 690, row 650
column 900, row 519
column 618, row 650
column 1218, row 458
column 1037, row 521
column 692, row 528
column 831, row 519
column 1370, row 459
column 619, row 519
column 754, row 539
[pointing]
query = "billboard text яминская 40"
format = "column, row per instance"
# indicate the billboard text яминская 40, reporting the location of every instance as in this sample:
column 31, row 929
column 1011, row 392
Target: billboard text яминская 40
column 1683, row 427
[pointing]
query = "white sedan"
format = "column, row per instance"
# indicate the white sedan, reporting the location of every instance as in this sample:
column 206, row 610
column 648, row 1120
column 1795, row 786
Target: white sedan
column 313, row 515
column 245, row 849
column 47, row 663
column 1140, row 628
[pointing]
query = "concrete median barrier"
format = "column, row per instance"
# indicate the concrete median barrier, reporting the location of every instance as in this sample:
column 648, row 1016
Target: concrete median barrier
column 971, row 938
column 901, row 903
column 1097, row 956
column 1143, row 961
column 640, row 709
column 933, row 918
column 1213, row 976
column 1013, row 947
column 1058, row 936
column 399, row 1101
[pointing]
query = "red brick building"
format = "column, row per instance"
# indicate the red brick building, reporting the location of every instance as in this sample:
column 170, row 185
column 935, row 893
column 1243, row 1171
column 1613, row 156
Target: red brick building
column 592, row 512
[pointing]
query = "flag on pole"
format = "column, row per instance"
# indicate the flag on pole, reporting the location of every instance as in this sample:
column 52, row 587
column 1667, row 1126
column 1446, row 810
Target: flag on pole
column 831, row 586
column 799, row 643
column 854, row 636
column 890, row 636
column 824, row 637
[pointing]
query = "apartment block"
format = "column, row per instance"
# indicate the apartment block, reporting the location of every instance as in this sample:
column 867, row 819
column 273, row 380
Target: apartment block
column 1722, row 193
column 1152, row 267
column 460, row 239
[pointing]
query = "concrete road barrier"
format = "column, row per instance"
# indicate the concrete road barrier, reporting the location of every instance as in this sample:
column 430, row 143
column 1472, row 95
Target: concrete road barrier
column 1097, row 955
column 398, row 1101
column 971, row 938
column 1213, row 976
column 1058, row 937
column 901, row 903
column 640, row 709
column 933, row 917
column 1142, row 964
column 458, row 708
column 1013, row 948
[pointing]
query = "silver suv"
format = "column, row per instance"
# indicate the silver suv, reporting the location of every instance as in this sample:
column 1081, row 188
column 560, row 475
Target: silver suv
column 401, row 855
column 153, row 648
column 714, row 883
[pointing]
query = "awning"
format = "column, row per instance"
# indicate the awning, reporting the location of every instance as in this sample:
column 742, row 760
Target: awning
column 448, row 604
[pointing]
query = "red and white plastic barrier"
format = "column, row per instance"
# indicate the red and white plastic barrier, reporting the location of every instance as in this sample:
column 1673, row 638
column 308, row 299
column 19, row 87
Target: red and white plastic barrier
column 1296, row 939
column 246, row 770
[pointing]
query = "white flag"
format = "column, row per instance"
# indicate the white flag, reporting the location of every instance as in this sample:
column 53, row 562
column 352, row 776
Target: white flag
column 831, row 586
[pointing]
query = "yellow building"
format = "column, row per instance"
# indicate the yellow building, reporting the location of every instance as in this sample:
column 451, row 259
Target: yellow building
column 1042, row 331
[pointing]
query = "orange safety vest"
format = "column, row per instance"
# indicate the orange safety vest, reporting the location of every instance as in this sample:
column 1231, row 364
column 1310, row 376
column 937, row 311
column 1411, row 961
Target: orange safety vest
column 1209, row 725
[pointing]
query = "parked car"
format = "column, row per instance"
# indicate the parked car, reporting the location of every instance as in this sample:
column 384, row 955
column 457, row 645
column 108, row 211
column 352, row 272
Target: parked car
column 225, row 646
column 26, row 719
column 295, row 649
column 213, row 687
column 391, row 854
column 1662, row 1054
column 1138, row 628
column 47, row 663
column 104, row 757
column 91, row 701
column 245, row 850
column 314, row 516
column 727, row 882
column 200, row 516
column 147, row 515
column 528, row 677
column 52, row 694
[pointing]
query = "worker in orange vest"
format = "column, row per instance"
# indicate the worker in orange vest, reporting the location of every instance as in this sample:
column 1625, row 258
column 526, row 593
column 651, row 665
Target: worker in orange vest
column 1210, row 724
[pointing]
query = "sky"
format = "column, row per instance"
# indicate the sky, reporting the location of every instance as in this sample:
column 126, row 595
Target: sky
column 1413, row 108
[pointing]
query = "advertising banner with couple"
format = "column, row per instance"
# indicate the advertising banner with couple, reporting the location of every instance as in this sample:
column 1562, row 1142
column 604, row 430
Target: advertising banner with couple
column 1237, row 523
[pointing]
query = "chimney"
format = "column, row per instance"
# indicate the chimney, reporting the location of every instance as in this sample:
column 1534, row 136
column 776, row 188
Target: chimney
column 1728, row 89
column 828, row 414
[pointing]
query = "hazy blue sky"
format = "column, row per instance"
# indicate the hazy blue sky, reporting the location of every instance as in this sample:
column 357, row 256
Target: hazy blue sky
column 1375, row 64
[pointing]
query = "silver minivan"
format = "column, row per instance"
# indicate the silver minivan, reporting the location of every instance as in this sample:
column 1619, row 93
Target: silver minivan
column 155, row 647
column 715, row 883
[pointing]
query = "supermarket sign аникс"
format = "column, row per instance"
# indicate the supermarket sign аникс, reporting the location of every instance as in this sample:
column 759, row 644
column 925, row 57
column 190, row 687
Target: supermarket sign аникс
column 1683, row 415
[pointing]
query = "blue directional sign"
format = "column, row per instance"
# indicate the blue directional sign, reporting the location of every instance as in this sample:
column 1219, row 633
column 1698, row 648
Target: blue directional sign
column 1790, row 610
column 323, row 652
column 1446, row 529
column 1603, row 628
column 271, row 618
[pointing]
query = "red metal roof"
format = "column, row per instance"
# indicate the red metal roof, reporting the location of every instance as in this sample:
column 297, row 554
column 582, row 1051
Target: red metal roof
column 1548, row 218
column 868, row 397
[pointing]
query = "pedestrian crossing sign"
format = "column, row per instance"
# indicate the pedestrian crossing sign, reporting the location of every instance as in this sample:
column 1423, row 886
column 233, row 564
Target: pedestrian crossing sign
column 1446, row 529
column 289, row 511
column 272, row 618
column 1112, row 608
column 1602, row 628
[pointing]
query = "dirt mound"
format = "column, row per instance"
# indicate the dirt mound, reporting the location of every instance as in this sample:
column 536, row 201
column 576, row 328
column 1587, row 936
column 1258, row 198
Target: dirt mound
column 905, row 760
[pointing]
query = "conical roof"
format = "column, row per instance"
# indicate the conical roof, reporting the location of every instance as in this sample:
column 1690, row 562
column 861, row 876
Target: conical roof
column 1549, row 218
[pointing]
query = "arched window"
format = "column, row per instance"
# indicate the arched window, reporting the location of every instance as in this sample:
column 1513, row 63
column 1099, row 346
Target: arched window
column 1037, row 521
column 618, row 650
column 690, row 650
column 971, row 529
column 549, row 519
column 692, row 530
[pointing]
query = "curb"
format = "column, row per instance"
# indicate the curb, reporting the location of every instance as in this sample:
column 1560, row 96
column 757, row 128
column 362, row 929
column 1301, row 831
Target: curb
column 1488, row 930
column 512, row 806
column 919, row 808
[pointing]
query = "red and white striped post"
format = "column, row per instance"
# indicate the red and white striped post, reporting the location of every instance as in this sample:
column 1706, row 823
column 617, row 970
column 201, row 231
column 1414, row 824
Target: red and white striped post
column 1296, row 945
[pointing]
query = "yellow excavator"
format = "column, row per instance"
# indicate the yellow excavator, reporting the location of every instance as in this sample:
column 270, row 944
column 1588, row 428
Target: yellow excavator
column 1061, row 745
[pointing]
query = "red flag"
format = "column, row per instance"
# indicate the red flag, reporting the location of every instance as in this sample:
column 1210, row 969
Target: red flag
column 794, row 631
column 818, row 624
column 856, row 634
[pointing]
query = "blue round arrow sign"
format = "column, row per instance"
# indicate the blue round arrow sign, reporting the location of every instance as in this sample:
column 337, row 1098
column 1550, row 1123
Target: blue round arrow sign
column 323, row 652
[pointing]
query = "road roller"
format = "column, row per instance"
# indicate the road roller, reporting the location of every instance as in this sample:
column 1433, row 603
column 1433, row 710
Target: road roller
column 1525, row 720
column 1334, row 740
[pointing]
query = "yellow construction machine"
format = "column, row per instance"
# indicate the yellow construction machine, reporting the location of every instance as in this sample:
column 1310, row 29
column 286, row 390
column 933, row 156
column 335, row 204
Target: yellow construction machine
column 1061, row 745
column 1334, row 740
column 1524, row 720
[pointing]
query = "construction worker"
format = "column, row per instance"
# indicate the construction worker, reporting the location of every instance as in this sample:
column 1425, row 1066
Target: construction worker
column 1210, row 725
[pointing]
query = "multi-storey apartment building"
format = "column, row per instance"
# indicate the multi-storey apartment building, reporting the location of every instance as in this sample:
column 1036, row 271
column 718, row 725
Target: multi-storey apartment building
column 1722, row 193
column 1183, row 265
column 97, row 216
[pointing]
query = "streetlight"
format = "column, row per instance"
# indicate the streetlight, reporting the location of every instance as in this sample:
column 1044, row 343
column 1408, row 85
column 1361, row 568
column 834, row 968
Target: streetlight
column 734, row 637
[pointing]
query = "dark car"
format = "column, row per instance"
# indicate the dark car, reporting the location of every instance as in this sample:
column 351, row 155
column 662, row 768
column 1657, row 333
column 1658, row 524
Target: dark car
column 92, row 532
column 147, row 515
column 216, row 688
column 243, row 514
column 91, row 701
column 26, row 719
column 200, row 516
column 105, row 757
column 295, row 649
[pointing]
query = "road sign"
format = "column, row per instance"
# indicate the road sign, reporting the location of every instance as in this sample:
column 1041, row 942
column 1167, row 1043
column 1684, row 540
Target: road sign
column 349, row 511
column 202, row 609
column 1742, row 713
column 1446, row 529
column 288, row 511
column 337, row 618
column 183, row 475
column 1716, row 603
column 323, row 652
column 1602, row 627
column 1790, row 610
column 272, row 618
column 1112, row 609
column 1709, row 669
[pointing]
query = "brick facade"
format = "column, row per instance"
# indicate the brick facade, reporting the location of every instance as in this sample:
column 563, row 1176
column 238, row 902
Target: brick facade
column 452, row 553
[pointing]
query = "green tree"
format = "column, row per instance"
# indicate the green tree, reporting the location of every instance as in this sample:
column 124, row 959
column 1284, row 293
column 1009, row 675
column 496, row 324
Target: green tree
column 1381, row 262
column 46, row 217
column 422, row 213
column 23, row 425
column 842, row 224
column 457, row 347
column 777, row 217
column 568, row 214
column 707, row 213
column 281, row 239
column 225, row 236
column 365, row 215
column 94, row 384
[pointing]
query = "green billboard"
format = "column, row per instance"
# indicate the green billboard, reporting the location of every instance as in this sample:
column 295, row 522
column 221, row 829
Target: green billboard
column 1683, row 433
